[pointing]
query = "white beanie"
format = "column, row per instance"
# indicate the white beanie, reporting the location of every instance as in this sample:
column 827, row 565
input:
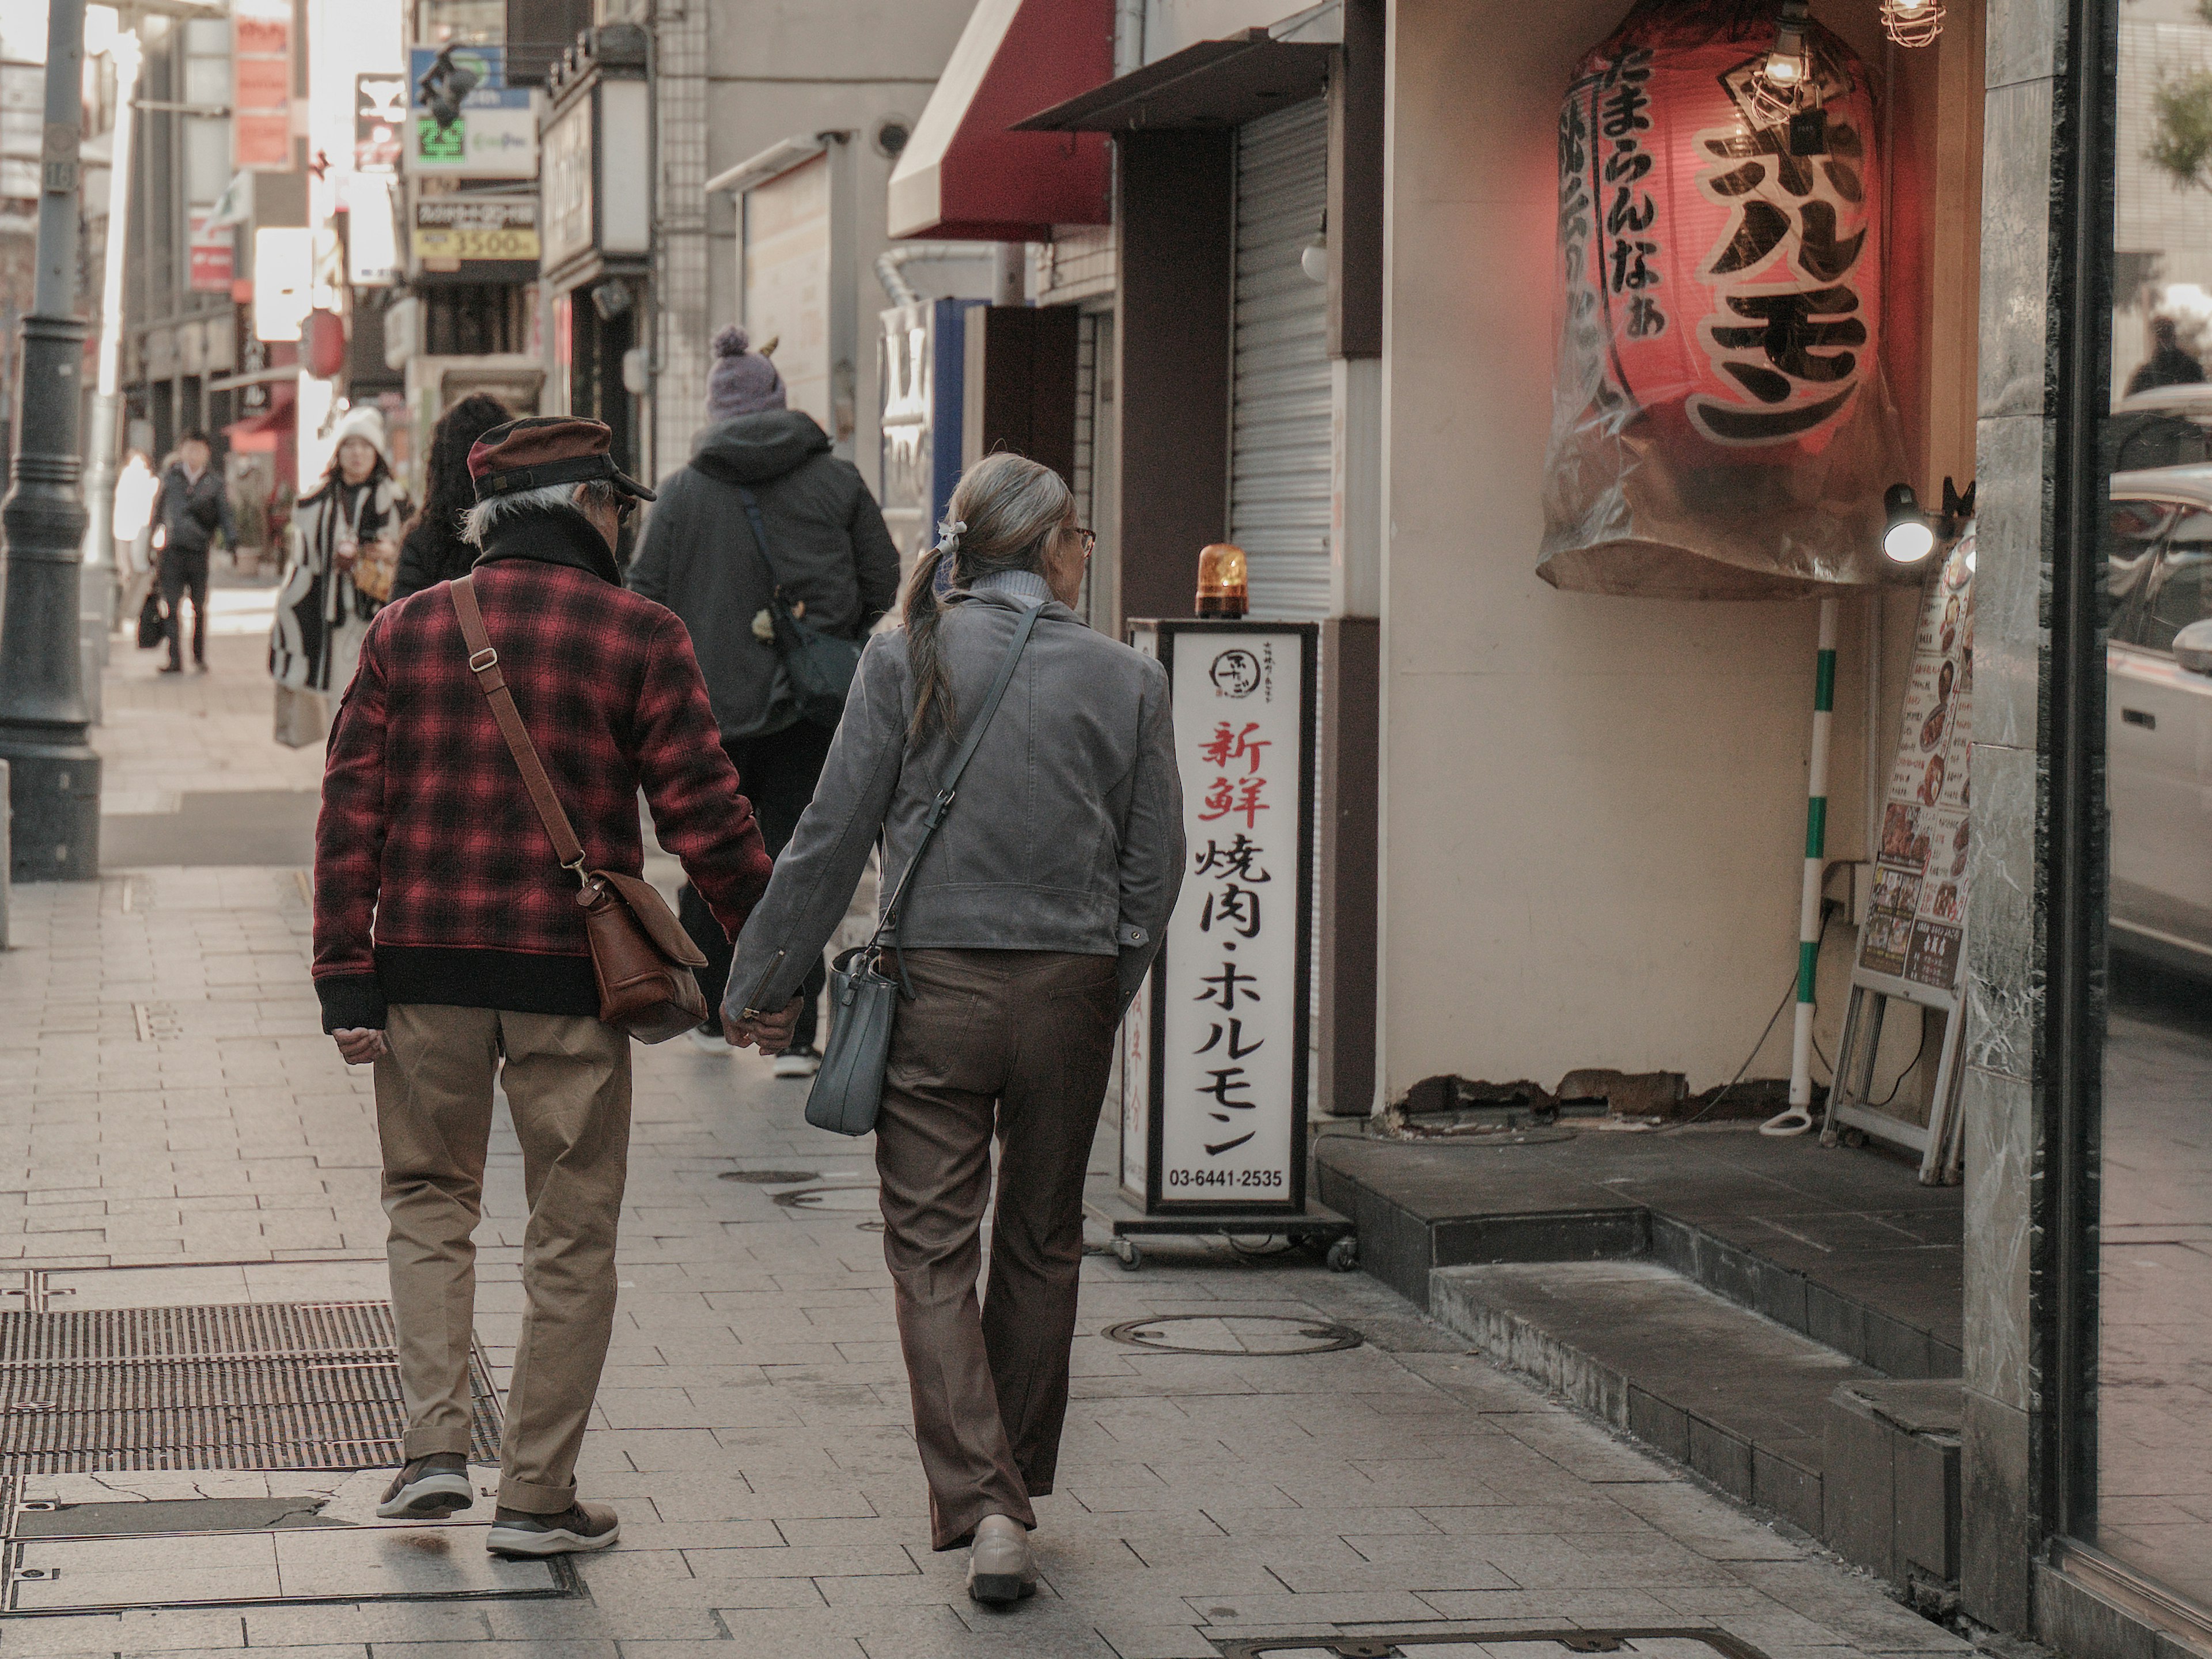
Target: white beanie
column 362, row 421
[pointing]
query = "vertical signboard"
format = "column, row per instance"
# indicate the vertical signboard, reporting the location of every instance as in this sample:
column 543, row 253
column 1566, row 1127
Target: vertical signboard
column 380, row 116
column 1215, row 1060
column 261, row 100
column 1918, row 917
column 214, row 256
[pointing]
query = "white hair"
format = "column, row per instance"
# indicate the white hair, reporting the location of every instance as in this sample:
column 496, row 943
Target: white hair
column 479, row 520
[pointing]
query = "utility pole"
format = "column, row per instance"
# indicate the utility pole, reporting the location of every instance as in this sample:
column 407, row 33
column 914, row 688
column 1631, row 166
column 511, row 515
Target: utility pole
column 97, row 613
column 54, row 776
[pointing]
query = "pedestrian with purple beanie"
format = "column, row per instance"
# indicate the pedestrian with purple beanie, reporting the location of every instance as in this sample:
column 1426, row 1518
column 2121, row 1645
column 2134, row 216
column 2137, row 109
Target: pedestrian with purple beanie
column 763, row 504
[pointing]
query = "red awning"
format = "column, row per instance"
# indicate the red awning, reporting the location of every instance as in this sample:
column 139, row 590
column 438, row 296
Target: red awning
column 962, row 174
column 265, row 434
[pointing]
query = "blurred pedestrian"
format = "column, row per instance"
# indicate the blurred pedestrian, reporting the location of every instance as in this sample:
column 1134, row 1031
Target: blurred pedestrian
column 344, row 557
column 2168, row 364
column 191, row 506
column 1024, row 934
column 450, row 950
column 431, row 551
column 830, row 553
column 137, row 489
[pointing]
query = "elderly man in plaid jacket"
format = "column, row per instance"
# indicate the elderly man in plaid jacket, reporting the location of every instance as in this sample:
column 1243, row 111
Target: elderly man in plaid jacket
column 448, row 941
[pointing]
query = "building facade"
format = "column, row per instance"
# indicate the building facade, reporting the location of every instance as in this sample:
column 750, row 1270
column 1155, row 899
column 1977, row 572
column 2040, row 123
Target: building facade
column 1320, row 318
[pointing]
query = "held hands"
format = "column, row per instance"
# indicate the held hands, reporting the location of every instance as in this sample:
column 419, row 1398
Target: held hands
column 770, row 1033
column 360, row 1045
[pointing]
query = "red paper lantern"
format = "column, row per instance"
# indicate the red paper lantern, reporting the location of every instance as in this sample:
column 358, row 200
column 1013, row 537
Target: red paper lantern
column 1720, row 264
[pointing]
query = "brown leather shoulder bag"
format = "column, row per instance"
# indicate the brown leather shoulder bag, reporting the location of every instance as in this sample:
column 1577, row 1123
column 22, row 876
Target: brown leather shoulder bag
column 641, row 955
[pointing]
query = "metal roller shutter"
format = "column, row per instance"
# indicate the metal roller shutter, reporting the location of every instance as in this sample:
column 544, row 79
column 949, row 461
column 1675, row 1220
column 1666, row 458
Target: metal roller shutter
column 1279, row 483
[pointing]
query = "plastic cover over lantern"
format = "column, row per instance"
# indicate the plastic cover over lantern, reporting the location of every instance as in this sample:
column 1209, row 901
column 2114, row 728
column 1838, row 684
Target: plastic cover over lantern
column 1720, row 429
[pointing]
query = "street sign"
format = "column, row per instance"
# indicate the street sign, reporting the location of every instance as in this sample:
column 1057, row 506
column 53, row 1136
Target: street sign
column 380, row 116
column 495, row 135
column 213, row 257
column 464, row 229
column 261, row 96
column 1215, row 1051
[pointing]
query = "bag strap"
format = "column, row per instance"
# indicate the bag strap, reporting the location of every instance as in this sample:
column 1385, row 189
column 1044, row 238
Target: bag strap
column 760, row 538
column 483, row 663
column 887, row 931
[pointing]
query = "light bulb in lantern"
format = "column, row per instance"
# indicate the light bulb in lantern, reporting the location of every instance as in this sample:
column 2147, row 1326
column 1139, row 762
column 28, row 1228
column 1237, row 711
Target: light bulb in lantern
column 1913, row 22
column 1786, row 77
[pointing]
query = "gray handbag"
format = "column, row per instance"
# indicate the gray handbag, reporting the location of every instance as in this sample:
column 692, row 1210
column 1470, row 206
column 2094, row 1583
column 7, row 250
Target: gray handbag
column 863, row 1000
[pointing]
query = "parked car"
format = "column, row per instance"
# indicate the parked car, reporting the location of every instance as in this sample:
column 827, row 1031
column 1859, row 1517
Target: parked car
column 2166, row 426
column 2158, row 677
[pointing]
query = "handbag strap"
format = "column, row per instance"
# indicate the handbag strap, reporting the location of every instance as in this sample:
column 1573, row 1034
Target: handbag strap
column 483, row 663
column 949, row 787
column 760, row 538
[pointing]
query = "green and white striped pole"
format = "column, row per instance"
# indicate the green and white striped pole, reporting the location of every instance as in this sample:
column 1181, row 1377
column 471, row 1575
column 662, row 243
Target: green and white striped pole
column 1798, row 1118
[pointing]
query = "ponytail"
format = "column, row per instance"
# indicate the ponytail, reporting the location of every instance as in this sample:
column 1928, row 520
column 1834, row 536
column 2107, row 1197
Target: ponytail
column 1014, row 506
column 932, row 686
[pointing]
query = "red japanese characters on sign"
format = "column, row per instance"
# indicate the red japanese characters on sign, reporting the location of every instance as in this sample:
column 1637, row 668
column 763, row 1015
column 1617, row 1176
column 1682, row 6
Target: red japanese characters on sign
column 1212, row 1121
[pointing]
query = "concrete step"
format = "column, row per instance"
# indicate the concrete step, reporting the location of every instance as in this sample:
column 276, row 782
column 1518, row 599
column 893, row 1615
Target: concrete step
column 1733, row 1394
column 1844, row 1248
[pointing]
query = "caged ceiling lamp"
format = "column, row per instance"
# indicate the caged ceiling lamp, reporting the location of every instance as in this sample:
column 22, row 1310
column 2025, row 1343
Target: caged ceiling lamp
column 1913, row 22
column 1785, row 82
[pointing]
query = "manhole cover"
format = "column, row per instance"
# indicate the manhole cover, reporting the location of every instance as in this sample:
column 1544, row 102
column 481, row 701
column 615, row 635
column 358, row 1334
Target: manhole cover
column 1240, row 1335
column 773, row 1177
column 830, row 1198
column 1651, row 1643
column 249, row 1386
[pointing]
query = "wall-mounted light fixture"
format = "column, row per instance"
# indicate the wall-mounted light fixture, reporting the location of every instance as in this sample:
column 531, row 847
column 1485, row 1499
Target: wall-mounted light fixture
column 1911, row 534
column 1913, row 22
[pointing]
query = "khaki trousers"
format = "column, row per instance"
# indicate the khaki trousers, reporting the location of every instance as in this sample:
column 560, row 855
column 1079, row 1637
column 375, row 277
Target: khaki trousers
column 567, row 1078
column 1017, row 1042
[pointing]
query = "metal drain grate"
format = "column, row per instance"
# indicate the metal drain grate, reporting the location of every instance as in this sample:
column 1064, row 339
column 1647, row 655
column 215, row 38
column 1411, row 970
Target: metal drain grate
column 288, row 1385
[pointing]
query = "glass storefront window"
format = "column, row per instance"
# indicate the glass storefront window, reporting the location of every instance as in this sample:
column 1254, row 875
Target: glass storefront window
column 2149, row 1361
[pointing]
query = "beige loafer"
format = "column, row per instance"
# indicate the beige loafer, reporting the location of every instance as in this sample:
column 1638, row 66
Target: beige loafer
column 1000, row 1569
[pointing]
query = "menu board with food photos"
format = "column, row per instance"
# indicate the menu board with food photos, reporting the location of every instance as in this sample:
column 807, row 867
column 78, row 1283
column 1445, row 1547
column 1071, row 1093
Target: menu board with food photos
column 1916, row 922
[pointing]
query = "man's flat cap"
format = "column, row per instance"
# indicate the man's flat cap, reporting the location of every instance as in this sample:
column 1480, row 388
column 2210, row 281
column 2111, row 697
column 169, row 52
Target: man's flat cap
column 541, row 450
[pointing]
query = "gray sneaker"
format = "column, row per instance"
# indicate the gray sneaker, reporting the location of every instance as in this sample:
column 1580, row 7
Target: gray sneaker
column 580, row 1527
column 429, row 1489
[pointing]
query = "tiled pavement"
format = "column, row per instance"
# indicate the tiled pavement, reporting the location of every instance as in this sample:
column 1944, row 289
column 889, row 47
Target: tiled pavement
column 174, row 1128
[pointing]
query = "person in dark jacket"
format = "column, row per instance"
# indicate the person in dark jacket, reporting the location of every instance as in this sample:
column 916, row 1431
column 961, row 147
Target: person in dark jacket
column 192, row 506
column 433, row 551
column 449, row 951
column 832, row 556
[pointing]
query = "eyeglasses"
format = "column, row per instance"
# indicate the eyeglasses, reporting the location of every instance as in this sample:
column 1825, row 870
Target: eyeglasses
column 624, row 506
column 1089, row 539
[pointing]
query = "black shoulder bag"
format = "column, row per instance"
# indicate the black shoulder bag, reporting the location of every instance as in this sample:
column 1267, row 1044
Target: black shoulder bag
column 818, row 665
column 863, row 1000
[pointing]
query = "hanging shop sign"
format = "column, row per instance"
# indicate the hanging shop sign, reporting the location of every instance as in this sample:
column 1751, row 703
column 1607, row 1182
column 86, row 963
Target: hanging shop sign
column 451, row 232
column 495, row 135
column 1721, row 426
column 598, row 179
column 261, row 95
column 379, row 117
column 1916, row 920
column 1214, row 1050
column 214, row 256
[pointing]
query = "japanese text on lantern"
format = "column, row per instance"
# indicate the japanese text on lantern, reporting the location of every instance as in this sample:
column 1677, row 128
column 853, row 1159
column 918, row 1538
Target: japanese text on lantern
column 1791, row 335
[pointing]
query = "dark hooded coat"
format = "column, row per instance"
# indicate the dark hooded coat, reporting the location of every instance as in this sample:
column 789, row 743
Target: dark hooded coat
column 827, row 543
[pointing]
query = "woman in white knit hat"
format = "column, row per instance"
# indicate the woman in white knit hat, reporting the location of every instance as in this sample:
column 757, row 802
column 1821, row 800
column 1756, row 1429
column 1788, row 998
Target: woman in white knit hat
column 348, row 549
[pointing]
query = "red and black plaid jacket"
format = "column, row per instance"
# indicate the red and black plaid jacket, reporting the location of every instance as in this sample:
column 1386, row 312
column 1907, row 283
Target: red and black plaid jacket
column 435, row 881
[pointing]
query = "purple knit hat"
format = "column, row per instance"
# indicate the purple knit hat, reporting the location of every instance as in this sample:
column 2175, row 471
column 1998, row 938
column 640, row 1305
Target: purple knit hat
column 742, row 382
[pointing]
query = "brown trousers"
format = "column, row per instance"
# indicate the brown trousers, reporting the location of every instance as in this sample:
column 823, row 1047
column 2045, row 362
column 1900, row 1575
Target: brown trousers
column 1018, row 1042
column 566, row 1079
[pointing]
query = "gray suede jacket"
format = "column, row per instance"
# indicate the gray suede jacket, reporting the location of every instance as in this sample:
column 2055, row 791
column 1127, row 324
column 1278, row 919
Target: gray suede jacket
column 1066, row 832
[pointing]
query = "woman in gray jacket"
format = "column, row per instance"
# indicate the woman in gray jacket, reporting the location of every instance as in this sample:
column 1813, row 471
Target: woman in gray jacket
column 1026, row 931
